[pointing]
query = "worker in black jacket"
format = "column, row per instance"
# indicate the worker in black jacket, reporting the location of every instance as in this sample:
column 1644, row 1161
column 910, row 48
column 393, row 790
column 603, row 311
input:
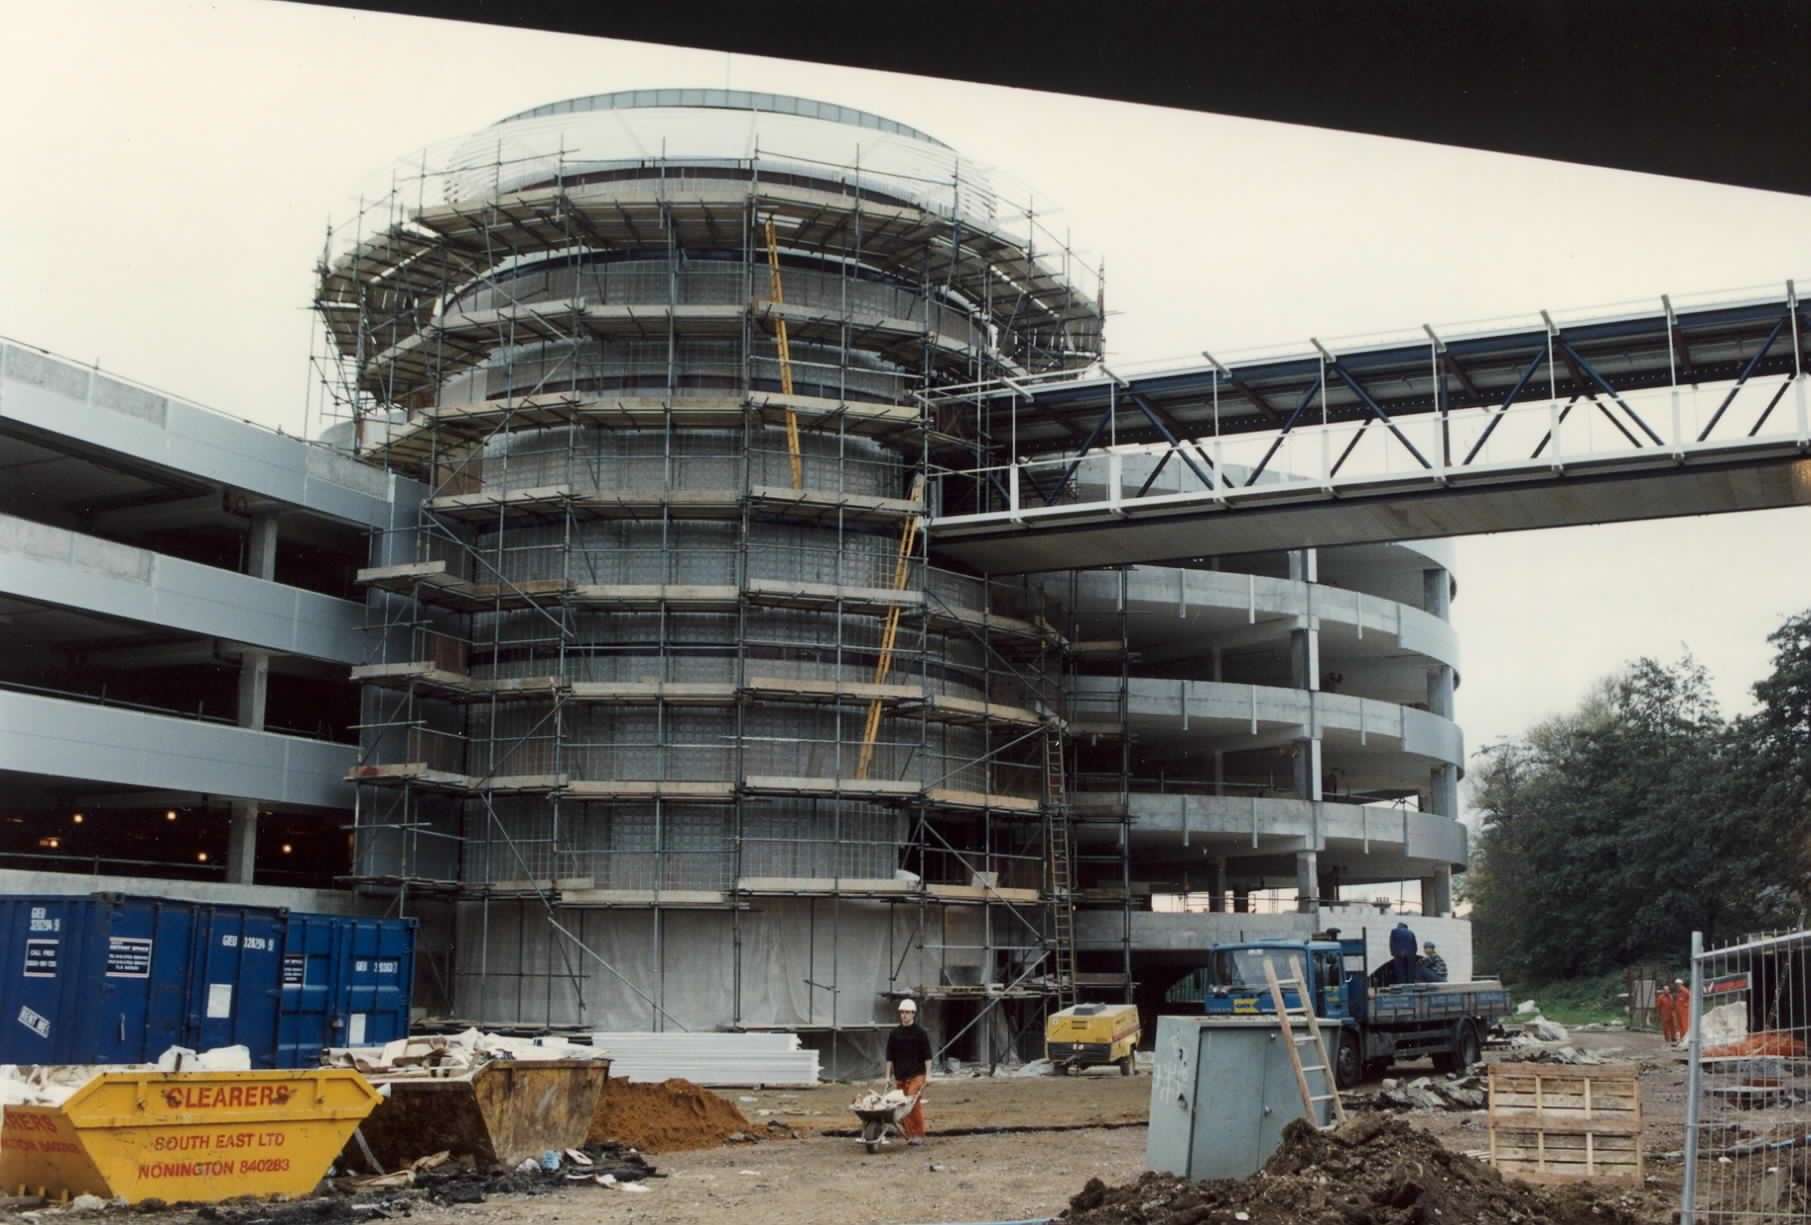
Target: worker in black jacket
column 908, row 1060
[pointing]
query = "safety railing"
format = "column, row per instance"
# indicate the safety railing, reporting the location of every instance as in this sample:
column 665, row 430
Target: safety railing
column 1660, row 424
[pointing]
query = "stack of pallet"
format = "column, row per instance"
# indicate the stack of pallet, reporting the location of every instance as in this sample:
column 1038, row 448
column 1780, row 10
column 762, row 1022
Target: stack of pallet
column 710, row 1059
column 1554, row 1124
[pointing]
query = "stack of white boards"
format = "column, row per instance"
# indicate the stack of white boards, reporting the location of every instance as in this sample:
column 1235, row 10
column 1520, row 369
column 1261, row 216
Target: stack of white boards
column 714, row 1060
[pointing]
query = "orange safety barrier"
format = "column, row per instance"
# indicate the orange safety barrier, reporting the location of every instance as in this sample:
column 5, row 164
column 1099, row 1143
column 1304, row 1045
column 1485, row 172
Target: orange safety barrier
column 1771, row 1042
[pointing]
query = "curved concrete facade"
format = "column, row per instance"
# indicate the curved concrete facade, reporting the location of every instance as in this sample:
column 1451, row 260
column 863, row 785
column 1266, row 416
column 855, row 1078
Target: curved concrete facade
column 1268, row 721
column 684, row 654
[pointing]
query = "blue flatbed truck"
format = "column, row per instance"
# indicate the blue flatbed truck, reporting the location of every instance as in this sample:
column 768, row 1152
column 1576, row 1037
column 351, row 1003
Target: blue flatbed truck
column 1367, row 1027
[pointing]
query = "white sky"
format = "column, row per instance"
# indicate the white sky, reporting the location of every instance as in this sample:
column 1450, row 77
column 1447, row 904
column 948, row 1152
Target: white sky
column 170, row 170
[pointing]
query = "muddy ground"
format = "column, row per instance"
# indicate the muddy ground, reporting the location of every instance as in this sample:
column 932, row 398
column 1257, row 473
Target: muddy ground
column 1089, row 1127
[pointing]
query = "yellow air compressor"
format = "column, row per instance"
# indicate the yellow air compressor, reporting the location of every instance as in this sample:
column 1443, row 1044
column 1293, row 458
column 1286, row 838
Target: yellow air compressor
column 1092, row 1036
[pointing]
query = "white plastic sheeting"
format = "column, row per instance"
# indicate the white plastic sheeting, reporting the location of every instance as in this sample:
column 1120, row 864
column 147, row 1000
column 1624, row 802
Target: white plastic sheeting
column 804, row 964
column 710, row 1058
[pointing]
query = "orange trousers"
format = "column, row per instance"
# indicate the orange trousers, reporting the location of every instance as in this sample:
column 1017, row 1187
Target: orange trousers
column 913, row 1124
column 1663, row 1004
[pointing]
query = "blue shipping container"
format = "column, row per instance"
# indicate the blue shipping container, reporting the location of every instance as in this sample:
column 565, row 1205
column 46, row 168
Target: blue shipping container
column 115, row 979
column 346, row 982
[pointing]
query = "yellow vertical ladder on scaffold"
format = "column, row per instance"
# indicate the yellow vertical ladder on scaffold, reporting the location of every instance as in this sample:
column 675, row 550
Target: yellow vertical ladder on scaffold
column 889, row 632
column 1292, row 1043
column 778, row 297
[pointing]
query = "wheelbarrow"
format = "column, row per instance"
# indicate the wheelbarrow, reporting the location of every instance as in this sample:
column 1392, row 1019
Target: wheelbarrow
column 880, row 1115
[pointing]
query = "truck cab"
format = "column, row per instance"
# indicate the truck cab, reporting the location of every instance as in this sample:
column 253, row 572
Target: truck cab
column 1232, row 983
column 1365, row 1027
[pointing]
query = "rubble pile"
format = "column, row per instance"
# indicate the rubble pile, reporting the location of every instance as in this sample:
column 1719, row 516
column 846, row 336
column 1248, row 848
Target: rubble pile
column 1529, row 1051
column 1373, row 1170
column 1462, row 1092
column 443, row 1053
column 437, row 1180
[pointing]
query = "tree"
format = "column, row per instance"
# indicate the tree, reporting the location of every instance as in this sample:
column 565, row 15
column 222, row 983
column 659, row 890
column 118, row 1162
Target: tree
column 1611, row 833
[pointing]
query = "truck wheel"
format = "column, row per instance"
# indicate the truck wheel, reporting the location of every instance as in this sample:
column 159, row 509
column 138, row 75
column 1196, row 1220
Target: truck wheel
column 1125, row 1065
column 1348, row 1066
column 1466, row 1048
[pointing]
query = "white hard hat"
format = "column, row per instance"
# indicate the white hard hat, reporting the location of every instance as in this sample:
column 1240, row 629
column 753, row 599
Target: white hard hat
column 908, row 1005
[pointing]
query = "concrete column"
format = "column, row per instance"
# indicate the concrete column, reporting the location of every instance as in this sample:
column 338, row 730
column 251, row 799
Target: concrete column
column 254, row 691
column 1219, row 772
column 1437, row 893
column 1443, row 787
column 1219, row 655
column 1307, row 882
column 1437, row 593
column 1241, row 901
column 1328, row 888
column 1218, row 902
column 1304, row 673
column 1443, row 791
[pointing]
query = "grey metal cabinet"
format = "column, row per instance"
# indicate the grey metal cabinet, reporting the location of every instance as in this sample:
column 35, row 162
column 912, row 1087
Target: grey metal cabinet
column 1222, row 1090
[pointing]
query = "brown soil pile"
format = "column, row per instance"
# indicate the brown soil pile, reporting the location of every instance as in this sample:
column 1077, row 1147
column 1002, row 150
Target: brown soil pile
column 671, row 1117
column 1374, row 1170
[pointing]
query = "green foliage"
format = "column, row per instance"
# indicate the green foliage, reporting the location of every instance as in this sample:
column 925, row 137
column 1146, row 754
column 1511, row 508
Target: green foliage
column 1611, row 833
column 1577, row 1001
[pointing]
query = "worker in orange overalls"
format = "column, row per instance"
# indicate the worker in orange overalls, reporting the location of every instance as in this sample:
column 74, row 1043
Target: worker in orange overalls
column 1682, row 1010
column 908, row 1060
column 1663, row 1004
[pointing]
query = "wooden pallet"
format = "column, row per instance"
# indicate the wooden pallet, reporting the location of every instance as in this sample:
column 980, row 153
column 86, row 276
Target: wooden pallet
column 1556, row 1123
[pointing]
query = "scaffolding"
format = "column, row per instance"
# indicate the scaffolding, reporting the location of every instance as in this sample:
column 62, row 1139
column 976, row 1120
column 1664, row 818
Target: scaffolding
column 663, row 647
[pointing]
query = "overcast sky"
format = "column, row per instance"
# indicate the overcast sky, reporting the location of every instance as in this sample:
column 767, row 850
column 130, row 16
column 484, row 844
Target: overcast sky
column 170, row 170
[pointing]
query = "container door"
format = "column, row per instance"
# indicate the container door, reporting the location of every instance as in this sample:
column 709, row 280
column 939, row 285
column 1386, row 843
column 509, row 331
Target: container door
column 126, row 938
column 1233, row 1088
column 234, row 994
column 381, row 982
column 310, row 971
column 167, row 999
column 1172, row 1111
column 40, row 933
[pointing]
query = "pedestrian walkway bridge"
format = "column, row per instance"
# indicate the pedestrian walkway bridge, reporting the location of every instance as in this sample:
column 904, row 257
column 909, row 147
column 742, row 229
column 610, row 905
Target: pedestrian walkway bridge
column 1641, row 411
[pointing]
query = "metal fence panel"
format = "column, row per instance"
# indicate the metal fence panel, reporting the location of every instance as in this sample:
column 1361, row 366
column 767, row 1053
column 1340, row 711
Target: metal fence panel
column 1748, row 1088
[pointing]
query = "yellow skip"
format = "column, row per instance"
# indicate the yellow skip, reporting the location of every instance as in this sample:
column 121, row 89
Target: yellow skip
column 195, row 1136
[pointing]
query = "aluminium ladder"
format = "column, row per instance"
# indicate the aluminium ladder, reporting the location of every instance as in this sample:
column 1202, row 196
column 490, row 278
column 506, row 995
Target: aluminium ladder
column 1062, row 879
column 1293, row 1044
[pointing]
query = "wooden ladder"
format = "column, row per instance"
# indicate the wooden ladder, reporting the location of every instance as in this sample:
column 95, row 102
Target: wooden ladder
column 783, row 344
column 1293, row 1044
column 1062, row 872
column 889, row 632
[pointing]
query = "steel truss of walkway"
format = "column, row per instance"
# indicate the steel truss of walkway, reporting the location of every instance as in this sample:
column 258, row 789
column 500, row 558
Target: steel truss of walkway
column 1675, row 408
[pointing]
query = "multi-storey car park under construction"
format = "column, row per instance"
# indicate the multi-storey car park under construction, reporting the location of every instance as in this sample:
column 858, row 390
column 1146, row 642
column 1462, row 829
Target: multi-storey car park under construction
column 672, row 714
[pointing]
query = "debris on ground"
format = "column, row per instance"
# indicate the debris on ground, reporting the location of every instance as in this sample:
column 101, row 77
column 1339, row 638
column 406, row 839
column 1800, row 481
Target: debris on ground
column 670, row 1117
column 1459, row 1092
column 1529, row 1050
column 1543, row 1030
column 1373, row 1169
column 439, row 1180
column 1767, row 1042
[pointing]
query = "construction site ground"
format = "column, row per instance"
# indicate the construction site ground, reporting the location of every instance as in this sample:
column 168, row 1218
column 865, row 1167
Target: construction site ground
column 1001, row 1149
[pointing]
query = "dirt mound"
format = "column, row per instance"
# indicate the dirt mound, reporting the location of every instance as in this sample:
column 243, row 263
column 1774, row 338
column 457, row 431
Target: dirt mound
column 1374, row 1170
column 670, row 1117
